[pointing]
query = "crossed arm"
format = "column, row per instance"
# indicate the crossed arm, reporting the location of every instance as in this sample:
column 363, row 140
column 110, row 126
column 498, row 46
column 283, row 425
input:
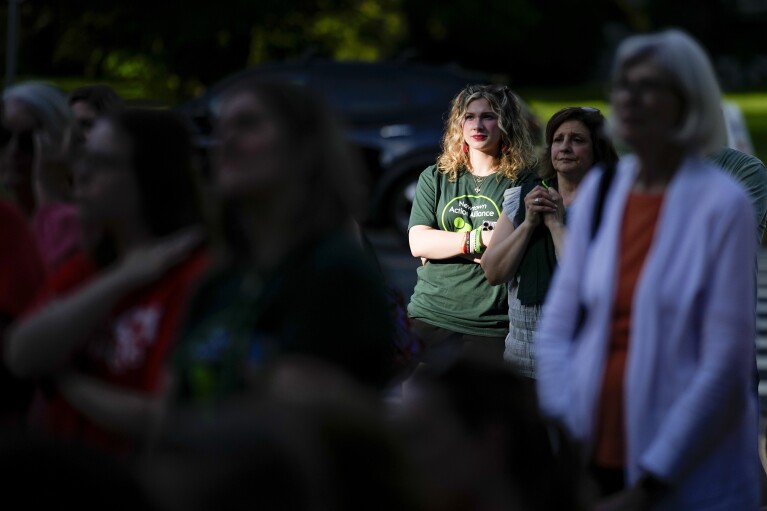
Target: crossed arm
column 430, row 243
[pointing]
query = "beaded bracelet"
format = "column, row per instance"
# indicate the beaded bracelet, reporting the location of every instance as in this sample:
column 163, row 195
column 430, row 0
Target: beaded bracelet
column 478, row 240
column 465, row 243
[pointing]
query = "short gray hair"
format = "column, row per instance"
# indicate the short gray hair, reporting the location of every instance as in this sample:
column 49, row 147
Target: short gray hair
column 48, row 104
column 703, row 128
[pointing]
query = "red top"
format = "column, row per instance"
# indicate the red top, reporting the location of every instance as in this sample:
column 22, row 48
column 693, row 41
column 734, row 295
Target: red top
column 21, row 264
column 56, row 225
column 637, row 232
column 22, row 274
column 129, row 350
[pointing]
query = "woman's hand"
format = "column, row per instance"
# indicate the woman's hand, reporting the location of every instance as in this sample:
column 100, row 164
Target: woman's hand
column 538, row 202
column 484, row 239
column 555, row 218
column 146, row 264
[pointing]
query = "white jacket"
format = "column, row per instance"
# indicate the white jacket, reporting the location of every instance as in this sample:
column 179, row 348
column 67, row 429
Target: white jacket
column 691, row 404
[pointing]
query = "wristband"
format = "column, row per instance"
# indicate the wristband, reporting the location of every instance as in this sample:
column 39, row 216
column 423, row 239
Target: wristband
column 465, row 244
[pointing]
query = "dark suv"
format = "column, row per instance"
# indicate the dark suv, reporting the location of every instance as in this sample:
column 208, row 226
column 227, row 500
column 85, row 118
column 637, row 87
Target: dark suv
column 394, row 113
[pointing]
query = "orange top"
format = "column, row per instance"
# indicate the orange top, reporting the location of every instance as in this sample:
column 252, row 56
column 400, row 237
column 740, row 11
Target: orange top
column 637, row 229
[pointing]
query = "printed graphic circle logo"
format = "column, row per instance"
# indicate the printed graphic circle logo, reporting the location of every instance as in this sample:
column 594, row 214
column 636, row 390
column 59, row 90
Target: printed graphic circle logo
column 459, row 214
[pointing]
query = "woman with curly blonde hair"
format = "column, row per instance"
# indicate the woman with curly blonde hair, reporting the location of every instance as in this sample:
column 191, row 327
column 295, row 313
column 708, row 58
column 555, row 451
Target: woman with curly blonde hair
column 517, row 150
column 487, row 144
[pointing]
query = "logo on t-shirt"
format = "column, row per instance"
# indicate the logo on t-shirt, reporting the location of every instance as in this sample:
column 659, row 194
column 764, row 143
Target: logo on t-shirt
column 134, row 332
column 467, row 212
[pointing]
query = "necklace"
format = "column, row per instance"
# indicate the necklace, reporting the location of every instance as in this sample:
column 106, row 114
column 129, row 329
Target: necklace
column 478, row 182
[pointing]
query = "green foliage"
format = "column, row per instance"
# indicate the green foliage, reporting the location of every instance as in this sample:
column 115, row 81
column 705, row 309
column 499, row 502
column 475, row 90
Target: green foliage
column 353, row 30
column 357, row 35
column 159, row 83
column 176, row 49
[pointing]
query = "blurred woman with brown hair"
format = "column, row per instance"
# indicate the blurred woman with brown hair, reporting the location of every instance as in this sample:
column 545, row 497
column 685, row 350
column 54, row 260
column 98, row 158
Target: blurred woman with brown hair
column 291, row 276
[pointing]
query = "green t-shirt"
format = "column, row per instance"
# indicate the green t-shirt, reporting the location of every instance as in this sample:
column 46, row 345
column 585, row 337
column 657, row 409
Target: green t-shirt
column 326, row 299
column 751, row 173
column 453, row 293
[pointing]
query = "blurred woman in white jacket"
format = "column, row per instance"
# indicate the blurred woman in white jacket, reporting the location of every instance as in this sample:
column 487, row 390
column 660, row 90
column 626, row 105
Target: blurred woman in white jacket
column 645, row 347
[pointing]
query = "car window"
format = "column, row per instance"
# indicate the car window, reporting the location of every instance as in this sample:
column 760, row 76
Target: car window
column 360, row 94
column 432, row 89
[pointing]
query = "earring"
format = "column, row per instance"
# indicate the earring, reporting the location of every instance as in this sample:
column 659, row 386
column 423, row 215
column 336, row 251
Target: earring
column 504, row 149
column 465, row 147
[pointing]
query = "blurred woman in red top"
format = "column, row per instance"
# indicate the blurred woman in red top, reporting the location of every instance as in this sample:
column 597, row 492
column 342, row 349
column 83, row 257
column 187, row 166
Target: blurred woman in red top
column 100, row 335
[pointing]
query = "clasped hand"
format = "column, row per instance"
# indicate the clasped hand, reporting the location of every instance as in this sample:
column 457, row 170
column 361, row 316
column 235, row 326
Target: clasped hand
column 544, row 204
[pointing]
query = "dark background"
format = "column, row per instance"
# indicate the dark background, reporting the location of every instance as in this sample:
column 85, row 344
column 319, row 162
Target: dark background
column 172, row 50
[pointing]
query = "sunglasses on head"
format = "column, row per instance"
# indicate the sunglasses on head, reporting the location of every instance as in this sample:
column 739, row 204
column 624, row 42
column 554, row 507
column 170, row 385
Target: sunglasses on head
column 589, row 109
